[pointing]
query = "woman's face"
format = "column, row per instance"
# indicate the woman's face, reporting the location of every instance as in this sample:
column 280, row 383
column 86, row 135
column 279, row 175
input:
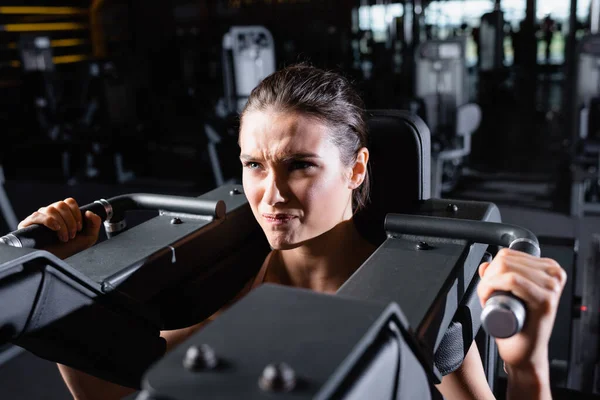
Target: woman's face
column 293, row 176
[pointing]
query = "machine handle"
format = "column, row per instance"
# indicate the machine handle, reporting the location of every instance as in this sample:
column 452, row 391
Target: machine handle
column 38, row 236
column 112, row 213
column 503, row 313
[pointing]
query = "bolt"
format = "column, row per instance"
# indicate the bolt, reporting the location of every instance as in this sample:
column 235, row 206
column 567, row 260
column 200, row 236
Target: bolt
column 234, row 191
column 176, row 221
column 277, row 377
column 423, row 246
column 452, row 208
column 200, row 358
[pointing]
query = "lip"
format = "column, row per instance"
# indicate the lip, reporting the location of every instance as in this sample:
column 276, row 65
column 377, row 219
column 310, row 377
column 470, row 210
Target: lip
column 278, row 219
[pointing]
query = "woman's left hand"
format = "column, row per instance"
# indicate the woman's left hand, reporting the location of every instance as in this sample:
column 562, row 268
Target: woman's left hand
column 539, row 283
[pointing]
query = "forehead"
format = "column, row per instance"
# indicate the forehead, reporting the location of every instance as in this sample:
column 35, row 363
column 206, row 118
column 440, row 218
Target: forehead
column 274, row 133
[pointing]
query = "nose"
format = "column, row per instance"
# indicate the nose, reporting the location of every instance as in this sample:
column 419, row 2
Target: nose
column 274, row 190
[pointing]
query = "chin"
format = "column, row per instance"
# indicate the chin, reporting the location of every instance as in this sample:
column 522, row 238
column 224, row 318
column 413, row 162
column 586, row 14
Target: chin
column 282, row 243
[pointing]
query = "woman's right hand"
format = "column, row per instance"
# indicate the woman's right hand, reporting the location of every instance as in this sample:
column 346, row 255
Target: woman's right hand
column 64, row 217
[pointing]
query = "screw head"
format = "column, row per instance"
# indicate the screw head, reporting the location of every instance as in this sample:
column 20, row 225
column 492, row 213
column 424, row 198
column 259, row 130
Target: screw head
column 452, row 208
column 234, row 191
column 277, row 377
column 176, row 221
column 423, row 246
column 198, row 358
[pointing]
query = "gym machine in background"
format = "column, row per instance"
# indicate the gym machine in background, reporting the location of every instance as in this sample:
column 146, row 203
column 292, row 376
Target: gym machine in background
column 585, row 358
column 248, row 56
column 585, row 164
column 6, row 209
column 491, row 42
column 442, row 90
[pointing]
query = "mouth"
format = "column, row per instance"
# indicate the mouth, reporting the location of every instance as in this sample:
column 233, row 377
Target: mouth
column 278, row 219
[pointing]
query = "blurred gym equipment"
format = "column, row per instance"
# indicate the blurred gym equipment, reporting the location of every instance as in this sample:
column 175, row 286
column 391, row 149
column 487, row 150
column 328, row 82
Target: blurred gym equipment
column 441, row 86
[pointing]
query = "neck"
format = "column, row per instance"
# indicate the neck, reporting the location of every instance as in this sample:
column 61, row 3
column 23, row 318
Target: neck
column 324, row 263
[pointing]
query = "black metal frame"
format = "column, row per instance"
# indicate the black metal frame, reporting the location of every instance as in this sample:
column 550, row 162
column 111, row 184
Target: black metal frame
column 146, row 279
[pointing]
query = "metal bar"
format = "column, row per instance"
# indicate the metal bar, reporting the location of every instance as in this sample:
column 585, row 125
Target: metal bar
column 44, row 10
column 96, row 30
column 52, row 26
column 58, row 43
column 68, row 59
column 5, row 205
column 594, row 16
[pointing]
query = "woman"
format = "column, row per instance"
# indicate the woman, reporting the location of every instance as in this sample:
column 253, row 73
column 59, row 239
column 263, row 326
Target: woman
column 303, row 148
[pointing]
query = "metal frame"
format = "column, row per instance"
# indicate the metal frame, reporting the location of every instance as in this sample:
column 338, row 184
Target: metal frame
column 587, row 57
column 5, row 206
column 440, row 54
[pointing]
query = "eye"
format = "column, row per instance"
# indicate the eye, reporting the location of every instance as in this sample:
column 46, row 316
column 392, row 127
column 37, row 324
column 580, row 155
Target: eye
column 251, row 165
column 298, row 164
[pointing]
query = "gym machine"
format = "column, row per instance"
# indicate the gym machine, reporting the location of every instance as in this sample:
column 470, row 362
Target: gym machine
column 405, row 317
column 585, row 167
column 248, row 56
column 491, row 42
column 74, row 124
column 441, row 87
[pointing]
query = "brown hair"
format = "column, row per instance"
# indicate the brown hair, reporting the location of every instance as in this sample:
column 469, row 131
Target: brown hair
column 326, row 96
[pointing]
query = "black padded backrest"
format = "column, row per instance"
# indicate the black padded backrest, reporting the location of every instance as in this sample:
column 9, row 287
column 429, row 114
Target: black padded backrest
column 400, row 151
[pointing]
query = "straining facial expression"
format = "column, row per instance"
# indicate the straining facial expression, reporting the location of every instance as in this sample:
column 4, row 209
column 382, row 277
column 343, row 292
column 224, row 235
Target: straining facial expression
column 293, row 176
column 303, row 142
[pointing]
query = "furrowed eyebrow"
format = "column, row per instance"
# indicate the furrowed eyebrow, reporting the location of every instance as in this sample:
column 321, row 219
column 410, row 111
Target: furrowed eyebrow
column 246, row 157
column 287, row 157
column 299, row 156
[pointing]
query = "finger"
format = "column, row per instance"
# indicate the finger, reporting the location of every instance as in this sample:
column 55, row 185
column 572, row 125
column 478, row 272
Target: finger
column 519, row 255
column 554, row 270
column 534, row 296
column 92, row 224
column 76, row 212
column 535, row 276
column 40, row 219
column 482, row 268
column 548, row 266
column 68, row 217
column 502, row 263
column 53, row 211
column 515, row 253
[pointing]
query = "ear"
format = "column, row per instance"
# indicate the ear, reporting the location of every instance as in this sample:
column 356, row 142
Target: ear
column 359, row 170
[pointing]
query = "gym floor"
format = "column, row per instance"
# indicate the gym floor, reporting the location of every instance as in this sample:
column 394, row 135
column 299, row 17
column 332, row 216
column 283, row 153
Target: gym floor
column 520, row 203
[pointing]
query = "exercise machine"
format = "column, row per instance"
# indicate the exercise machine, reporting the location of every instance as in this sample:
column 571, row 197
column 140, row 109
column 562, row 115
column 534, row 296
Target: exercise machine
column 248, row 56
column 585, row 165
column 8, row 213
column 398, row 324
column 491, row 42
column 441, row 87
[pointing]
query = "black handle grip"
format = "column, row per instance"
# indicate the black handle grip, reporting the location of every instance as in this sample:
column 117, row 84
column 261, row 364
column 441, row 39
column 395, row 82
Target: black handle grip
column 39, row 236
column 504, row 313
column 36, row 236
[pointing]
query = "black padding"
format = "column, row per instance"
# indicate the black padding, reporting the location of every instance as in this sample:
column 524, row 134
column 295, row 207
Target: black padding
column 400, row 162
column 451, row 351
column 70, row 325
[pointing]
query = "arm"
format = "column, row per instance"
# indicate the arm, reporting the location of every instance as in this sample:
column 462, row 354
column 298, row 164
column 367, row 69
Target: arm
column 87, row 387
column 539, row 283
column 468, row 381
column 64, row 217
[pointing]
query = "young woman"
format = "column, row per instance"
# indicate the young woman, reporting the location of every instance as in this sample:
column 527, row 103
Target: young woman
column 303, row 148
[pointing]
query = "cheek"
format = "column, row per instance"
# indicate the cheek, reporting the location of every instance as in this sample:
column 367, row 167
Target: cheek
column 251, row 190
column 322, row 195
